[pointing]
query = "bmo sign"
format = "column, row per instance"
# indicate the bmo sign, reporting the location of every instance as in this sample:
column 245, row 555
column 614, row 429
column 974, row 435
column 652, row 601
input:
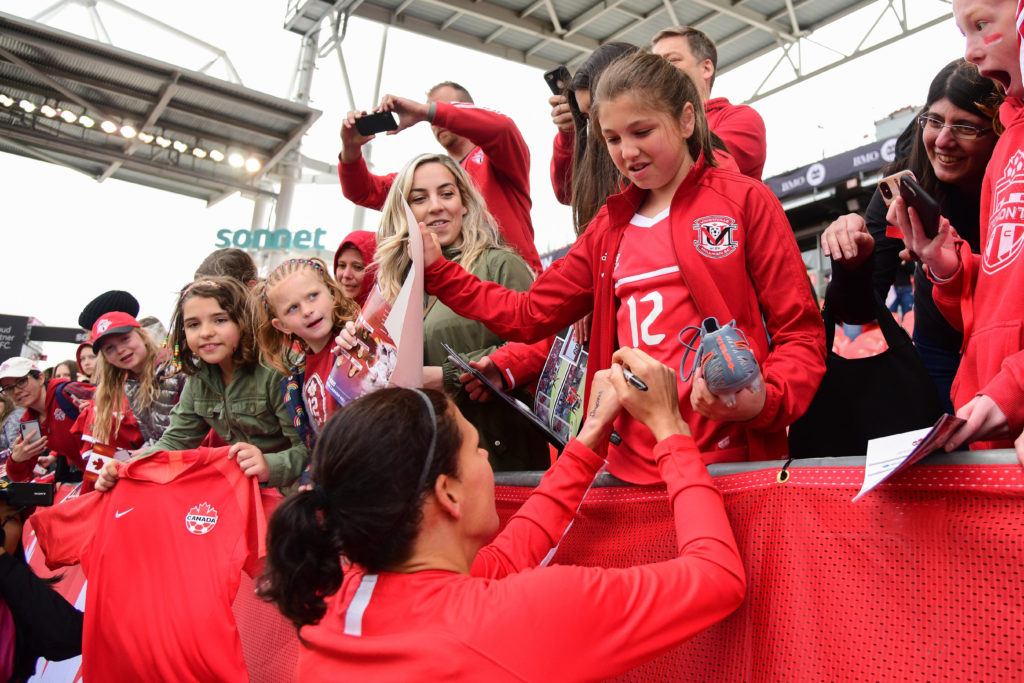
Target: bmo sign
column 271, row 239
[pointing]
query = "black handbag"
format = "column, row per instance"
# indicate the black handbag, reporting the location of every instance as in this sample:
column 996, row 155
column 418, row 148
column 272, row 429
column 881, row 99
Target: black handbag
column 865, row 398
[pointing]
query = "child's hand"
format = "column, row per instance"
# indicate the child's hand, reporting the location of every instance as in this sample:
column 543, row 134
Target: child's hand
column 746, row 404
column 938, row 253
column 251, row 461
column 108, row 476
column 346, row 339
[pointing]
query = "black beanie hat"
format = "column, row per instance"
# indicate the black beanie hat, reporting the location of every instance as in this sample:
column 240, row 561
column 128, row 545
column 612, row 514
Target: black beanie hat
column 108, row 302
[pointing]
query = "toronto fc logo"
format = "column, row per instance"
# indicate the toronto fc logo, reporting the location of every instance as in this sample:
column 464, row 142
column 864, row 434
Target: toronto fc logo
column 716, row 236
column 201, row 519
column 478, row 157
column 103, row 326
column 1006, row 221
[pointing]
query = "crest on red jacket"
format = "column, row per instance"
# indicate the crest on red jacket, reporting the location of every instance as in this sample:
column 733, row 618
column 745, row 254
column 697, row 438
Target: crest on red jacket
column 1006, row 221
column 201, row 519
column 316, row 400
column 716, row 236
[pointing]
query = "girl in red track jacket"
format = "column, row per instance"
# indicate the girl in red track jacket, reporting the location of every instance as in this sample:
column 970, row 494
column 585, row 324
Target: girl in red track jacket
column 687, row 240
column 403, row 490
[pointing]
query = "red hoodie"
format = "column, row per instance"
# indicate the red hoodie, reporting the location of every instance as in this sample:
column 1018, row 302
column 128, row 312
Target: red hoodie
column 366, row 242
column 983, row 296
column 742, row 130
column 762, row 280
column 499, row 166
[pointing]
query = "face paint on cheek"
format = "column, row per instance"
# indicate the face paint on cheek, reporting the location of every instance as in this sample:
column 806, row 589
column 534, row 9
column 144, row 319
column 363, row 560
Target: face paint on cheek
column 992, row 39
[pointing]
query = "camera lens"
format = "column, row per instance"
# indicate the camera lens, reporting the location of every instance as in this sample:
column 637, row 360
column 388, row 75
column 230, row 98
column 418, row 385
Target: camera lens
column 886, row 190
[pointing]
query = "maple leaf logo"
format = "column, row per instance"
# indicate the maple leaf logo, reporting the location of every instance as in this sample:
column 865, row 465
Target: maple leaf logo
column 201, row 519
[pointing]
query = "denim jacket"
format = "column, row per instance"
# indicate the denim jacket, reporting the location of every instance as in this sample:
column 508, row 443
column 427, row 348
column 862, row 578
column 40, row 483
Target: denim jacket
column 249, row 410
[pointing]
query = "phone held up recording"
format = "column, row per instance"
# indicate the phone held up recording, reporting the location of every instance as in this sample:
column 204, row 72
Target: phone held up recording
column 558, row 79
column 380, row 122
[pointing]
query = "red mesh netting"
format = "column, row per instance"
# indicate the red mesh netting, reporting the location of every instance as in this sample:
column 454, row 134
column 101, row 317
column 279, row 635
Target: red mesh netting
column 921, row 579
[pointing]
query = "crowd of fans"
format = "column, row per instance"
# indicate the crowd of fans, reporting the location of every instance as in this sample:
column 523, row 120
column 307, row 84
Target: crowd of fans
column 226, row 414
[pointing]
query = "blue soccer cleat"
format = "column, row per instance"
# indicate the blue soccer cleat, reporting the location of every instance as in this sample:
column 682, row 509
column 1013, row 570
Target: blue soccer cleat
column 725, row 358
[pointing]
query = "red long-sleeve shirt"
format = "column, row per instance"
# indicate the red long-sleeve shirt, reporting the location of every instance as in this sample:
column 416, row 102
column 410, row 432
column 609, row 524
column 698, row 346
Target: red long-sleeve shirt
column 499, row 166
column 509, row 620
column 742, row 130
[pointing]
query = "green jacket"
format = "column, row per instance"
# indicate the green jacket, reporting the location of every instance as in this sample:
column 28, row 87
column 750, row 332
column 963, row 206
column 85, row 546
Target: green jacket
column 511, row 441
column 249, row 410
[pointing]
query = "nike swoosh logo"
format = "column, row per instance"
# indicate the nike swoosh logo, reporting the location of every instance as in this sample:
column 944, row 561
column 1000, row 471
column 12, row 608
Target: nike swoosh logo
column 118, row 514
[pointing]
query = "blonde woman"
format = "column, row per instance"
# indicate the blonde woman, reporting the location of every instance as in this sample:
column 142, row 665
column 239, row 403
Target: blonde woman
column 444, row 200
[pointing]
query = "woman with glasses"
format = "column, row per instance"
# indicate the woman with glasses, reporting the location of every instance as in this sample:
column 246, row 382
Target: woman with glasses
column 947, row 147
column 51, row 408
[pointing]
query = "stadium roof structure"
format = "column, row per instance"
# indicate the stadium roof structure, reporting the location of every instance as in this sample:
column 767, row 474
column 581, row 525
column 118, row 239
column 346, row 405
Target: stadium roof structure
column 110, row 113
column 546, row 33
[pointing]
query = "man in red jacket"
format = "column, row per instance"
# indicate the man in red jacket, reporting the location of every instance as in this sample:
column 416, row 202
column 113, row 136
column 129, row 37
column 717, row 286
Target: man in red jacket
column 485, row 143
column 739, row 126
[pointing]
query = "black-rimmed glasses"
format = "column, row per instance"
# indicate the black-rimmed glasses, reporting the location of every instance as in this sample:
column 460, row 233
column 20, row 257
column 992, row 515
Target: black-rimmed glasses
column 11, row 388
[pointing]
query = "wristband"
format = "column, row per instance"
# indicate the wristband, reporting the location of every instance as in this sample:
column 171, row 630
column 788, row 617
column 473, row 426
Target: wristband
column 941, row 280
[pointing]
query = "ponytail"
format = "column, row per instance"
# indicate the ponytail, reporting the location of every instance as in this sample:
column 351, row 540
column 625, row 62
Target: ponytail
column 374, row 464
column 303, row 559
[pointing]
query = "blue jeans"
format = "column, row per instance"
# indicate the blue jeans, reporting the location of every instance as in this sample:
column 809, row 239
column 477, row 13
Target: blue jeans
column 942, row 365
column 904, row 299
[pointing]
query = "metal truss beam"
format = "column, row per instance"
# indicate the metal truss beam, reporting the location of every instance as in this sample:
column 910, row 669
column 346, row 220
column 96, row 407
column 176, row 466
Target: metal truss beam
column 800, row 72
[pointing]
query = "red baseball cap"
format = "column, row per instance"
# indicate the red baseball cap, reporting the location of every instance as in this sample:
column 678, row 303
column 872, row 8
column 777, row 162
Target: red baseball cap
column 114, row 322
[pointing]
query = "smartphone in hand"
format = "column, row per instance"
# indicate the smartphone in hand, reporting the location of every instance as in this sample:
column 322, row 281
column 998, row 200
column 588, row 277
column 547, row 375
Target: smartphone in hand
column 889, row 186
column 371, row 124
column 558, row 79
column 926, row 207
column 30, row 430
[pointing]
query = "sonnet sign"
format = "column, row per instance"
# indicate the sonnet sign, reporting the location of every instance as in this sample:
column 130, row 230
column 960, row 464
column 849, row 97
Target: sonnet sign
column 271, row 239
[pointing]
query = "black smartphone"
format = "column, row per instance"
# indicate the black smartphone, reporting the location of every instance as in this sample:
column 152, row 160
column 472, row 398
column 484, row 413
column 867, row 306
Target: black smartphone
column 926, row 207
column 371, row 124
column 558, row 79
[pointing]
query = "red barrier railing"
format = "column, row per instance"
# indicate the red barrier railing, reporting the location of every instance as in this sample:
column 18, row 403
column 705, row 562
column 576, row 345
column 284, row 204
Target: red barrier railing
column 923, row 579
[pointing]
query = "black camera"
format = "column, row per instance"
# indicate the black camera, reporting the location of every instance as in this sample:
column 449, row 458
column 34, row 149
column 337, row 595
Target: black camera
column 23, row 494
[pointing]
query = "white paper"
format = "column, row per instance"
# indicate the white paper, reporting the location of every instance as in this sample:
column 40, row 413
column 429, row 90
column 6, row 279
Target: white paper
column 889, row 454
column 408, row 308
